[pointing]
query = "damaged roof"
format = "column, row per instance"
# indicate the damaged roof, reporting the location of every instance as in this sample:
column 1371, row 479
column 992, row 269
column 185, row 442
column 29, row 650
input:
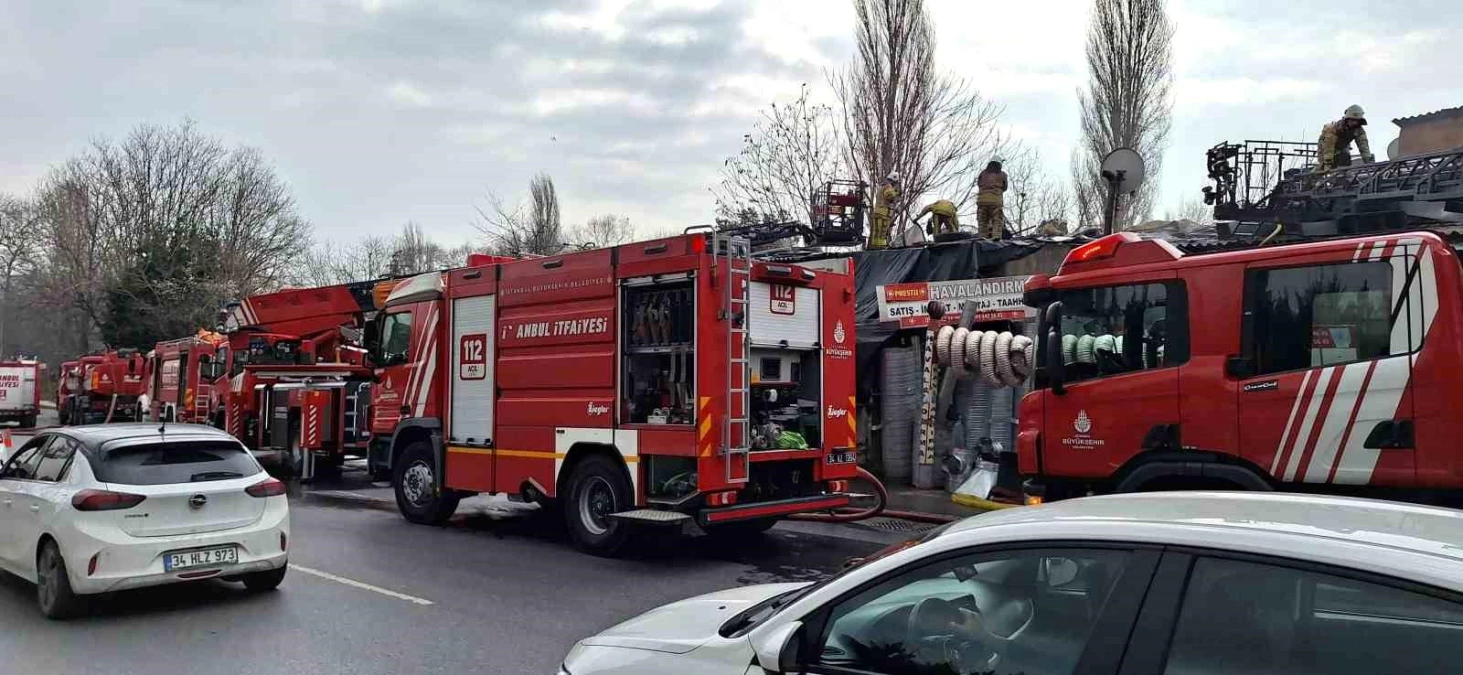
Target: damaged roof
column 1428, row 117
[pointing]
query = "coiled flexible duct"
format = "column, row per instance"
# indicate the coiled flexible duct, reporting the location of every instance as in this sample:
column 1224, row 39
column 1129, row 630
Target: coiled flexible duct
column 957, row 352
column 996, row 359
column 942, row 343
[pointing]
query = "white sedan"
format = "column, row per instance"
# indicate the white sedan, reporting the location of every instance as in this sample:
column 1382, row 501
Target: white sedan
column 86, row 510
column 1143, row 584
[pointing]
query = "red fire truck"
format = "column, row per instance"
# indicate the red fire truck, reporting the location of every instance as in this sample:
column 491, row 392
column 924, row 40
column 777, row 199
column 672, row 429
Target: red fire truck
column 181, row 376
column 1327, row 365
column 20, row 391
column 104, row 387
column 668, row 382
column 297, row 387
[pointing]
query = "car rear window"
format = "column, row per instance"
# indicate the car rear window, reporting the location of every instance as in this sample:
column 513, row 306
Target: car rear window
column 175, row 462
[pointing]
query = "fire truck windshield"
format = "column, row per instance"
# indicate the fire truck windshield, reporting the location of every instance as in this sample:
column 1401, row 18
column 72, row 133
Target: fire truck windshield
column 265, row 353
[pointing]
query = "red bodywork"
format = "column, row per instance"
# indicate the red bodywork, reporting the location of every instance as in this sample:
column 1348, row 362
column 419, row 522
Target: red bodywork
column 293, row 380
column 102, row 387
column 179, row 381
column 514, row 369
column 1348, row 390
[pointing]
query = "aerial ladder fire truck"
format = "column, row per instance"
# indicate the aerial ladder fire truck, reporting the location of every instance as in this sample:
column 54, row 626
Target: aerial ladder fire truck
column 679, row 383
column 293, row 383
column 1315, row 348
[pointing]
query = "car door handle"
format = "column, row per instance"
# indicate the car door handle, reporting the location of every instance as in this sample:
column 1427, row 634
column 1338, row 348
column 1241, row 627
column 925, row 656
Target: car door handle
column 35, row 508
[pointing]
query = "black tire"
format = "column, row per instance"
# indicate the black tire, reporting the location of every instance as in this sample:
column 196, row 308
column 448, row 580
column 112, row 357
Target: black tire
column 292, row 460
column 742, row 529
column 415, row 484
column 598, row 487
column 53, row 588
column 263, row 582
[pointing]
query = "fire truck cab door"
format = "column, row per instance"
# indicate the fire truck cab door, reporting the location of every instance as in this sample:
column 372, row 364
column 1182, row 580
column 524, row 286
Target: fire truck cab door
column 1326, row 341
column 401, row 358
column 1121, row 345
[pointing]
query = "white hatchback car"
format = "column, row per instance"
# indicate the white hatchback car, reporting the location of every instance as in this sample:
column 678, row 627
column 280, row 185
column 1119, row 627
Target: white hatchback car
column 94, row 509
column 1144, row 584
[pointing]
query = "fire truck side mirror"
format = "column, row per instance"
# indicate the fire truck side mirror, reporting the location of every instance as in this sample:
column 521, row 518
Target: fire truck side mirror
column 1056, row 369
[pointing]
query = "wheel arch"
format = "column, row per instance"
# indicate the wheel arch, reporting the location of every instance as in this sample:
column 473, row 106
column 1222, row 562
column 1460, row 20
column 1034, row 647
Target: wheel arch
column 1197, row 467
column 419, row 430
column 582, row 450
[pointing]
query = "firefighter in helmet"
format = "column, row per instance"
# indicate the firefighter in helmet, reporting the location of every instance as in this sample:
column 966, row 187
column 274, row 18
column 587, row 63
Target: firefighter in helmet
column 943, row 217
column 883, row 211
column 1336, row 138
column 990, row 200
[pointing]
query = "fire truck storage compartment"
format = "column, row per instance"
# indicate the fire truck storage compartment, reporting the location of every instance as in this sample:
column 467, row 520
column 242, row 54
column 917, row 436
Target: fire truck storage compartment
column 787, row 377
column 671, row 478
column 786, row 396
column 659, row 340
column 473, row 379
column 275, row 400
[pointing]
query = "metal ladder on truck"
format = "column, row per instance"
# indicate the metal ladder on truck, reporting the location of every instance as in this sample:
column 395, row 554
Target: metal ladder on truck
column 736, row 435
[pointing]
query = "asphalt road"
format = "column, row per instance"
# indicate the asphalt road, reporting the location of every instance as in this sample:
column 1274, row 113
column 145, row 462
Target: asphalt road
column 370, row 593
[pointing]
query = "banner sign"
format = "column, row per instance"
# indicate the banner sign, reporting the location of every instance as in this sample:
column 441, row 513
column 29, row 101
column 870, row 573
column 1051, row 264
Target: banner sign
column 996, row 298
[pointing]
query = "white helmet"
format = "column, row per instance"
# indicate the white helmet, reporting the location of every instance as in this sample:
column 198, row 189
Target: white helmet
column 997, row 159
column 893, row 177
column 1355, row 113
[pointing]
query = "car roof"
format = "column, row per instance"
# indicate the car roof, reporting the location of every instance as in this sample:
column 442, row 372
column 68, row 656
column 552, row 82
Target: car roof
column 96, row 435
column 1421, row 543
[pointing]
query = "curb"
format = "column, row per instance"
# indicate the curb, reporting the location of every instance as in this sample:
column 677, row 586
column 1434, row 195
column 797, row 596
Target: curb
column 352, row 498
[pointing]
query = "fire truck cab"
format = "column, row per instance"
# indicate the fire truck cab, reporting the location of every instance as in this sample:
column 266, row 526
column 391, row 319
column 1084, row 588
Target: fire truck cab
column 181, row 375
column 1327, row 365
column 670, row 382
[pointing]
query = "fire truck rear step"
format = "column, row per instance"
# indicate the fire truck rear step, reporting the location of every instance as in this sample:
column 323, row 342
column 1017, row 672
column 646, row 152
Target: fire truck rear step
column 653, row 516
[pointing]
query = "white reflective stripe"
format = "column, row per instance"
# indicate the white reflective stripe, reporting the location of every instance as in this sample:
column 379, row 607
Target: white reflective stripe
column 424, row 388
column 1338, row 419
column 1379, row 402
column 1308, row 422
column 408, row 397
column 1400, row 341
column 1355, row 256
column 1294, row 408
column 1377, row 248
column 1429, row 288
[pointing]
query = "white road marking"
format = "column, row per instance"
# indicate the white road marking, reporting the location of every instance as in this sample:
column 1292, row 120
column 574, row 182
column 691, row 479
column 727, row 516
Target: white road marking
column 361, row 585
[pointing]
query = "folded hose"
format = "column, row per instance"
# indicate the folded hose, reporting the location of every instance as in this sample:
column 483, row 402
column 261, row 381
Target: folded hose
column 997, row 359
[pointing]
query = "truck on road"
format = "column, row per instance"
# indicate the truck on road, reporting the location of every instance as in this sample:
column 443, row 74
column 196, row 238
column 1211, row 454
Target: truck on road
column 1330, row 365
column 104, row 387
column 20, row 391
column 675, row 383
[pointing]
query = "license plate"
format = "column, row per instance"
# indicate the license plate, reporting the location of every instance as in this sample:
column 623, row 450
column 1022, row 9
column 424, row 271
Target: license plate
column 222, row 555
column 840, row 457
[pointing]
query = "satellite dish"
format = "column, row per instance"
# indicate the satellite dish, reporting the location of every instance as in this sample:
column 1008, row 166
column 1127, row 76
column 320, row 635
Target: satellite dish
column 1394, row 149
column 1123, row 168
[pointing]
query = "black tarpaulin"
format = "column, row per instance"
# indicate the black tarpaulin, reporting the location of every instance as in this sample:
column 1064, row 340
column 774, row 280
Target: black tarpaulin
column 937, row 262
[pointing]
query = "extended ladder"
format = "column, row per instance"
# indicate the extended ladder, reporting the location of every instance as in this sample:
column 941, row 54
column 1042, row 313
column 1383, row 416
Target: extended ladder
column 736, row 434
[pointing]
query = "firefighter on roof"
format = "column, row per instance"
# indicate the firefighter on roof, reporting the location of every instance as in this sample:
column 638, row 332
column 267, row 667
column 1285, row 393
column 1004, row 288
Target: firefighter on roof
column 1336, row 138
column 883, row 211
column 990, row 200
column 943, row 217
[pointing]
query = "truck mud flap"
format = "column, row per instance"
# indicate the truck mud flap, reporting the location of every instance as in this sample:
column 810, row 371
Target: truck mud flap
column 772, row 509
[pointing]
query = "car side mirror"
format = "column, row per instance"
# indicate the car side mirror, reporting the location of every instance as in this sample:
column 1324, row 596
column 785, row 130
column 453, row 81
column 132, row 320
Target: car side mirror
column 777, row 647
column 1238, row 367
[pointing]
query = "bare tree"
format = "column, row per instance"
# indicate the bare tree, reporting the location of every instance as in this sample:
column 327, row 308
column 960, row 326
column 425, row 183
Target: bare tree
column 792, row 150
column 1193, row 210
column 900, row 115
column 519, row 231
column 146, row 236
column 20, row 239
column 601, row 231
column 1127, row 102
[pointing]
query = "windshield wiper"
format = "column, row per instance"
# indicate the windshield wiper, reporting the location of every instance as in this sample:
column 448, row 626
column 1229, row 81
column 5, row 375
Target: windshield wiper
column 214, row 475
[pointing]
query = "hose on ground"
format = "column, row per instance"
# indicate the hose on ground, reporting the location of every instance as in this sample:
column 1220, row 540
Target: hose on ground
column 110, row 409
column 851, row 514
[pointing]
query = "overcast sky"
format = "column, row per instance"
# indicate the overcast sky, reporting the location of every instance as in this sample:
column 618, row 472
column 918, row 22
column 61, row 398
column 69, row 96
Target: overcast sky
column 384, row 111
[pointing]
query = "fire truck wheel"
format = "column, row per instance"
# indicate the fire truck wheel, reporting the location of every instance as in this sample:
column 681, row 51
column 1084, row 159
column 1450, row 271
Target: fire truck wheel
column 415, row 484
column 597, row 488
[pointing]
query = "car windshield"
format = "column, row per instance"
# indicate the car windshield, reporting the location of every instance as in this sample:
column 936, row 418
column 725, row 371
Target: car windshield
column 753, row 616
column 174, row 462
